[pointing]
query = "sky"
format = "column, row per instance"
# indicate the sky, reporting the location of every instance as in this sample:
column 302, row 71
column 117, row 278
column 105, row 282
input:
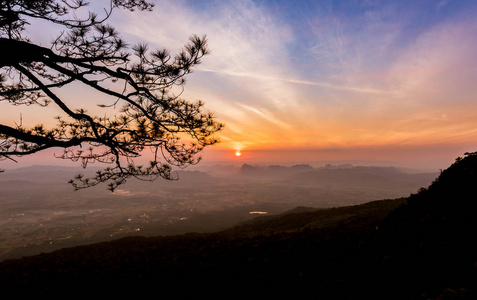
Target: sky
column 392, row 82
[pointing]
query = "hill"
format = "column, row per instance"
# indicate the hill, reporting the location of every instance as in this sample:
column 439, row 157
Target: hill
column 40, row 212
column 426, row 248
column 416, row 248
column 255, row 257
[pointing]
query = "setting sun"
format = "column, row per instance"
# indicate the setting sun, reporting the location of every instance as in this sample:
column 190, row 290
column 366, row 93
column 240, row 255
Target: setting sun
column 238, row 153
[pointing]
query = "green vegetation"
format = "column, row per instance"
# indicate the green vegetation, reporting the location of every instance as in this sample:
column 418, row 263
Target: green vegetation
column 421, row 247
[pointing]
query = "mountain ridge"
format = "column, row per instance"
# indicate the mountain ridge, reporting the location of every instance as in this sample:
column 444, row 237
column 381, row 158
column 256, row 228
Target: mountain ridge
column 420, row 247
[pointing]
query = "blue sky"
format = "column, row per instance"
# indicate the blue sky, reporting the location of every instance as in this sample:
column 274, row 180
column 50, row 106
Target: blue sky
column 386, row 76
column 325, row 80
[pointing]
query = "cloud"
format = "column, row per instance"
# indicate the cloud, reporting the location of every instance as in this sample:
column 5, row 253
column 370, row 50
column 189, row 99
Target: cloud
column 267, row 116
column 295, row 81
column 348, row 79
column 248, row 53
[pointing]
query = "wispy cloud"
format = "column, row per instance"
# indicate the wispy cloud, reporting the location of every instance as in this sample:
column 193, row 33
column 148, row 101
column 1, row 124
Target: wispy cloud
column 351, row 76
column 266, row 116
column 245, row 41
column 296, row 81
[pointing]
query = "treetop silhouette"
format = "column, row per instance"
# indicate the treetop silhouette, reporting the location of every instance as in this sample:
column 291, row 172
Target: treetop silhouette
column 136, row 82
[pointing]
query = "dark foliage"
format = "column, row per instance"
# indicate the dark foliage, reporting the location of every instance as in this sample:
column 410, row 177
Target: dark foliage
column 139, row 93
column 416, row 248
column 288, row 252
column 426, row 248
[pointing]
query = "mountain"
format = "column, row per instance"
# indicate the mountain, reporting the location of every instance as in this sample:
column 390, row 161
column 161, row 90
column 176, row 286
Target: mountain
column 361, row 176
column 272, row 171
column 421, row 247
column 247, row 170
column 428, row 245
column 293, row 169
column 341, row 175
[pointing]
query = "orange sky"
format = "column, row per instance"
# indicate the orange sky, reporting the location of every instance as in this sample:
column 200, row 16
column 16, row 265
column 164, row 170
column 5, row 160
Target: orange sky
column 322, row 80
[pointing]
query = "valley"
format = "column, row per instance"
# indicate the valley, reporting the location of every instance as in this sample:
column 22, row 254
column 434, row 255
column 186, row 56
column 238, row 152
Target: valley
column 40, row 211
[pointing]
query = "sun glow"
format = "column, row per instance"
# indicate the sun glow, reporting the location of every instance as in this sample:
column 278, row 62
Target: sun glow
column 238, row 153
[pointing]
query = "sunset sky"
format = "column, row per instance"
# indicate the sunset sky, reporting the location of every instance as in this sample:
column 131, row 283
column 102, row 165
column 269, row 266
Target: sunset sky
column 295, row 81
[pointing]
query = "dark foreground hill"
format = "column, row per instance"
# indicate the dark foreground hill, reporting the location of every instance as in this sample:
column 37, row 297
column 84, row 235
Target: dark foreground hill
column 421, row 247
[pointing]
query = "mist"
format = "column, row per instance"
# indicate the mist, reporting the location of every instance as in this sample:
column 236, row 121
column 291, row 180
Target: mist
column 40, row 211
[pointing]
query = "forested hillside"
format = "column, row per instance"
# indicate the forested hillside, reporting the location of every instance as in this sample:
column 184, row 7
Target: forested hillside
column 421, row 247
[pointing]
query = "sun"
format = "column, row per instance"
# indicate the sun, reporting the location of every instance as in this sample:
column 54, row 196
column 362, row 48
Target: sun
column 238, row 153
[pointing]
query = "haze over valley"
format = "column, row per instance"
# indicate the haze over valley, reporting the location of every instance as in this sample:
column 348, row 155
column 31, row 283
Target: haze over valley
column 40, row 211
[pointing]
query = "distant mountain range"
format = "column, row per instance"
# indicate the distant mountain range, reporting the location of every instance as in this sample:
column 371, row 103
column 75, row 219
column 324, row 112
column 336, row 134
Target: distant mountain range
column 302, row 172
column 419, row 247
column 273, row 170
column 342, row 175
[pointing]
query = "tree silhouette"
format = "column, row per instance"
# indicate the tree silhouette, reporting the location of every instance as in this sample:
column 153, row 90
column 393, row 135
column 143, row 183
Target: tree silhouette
column 137, row 83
